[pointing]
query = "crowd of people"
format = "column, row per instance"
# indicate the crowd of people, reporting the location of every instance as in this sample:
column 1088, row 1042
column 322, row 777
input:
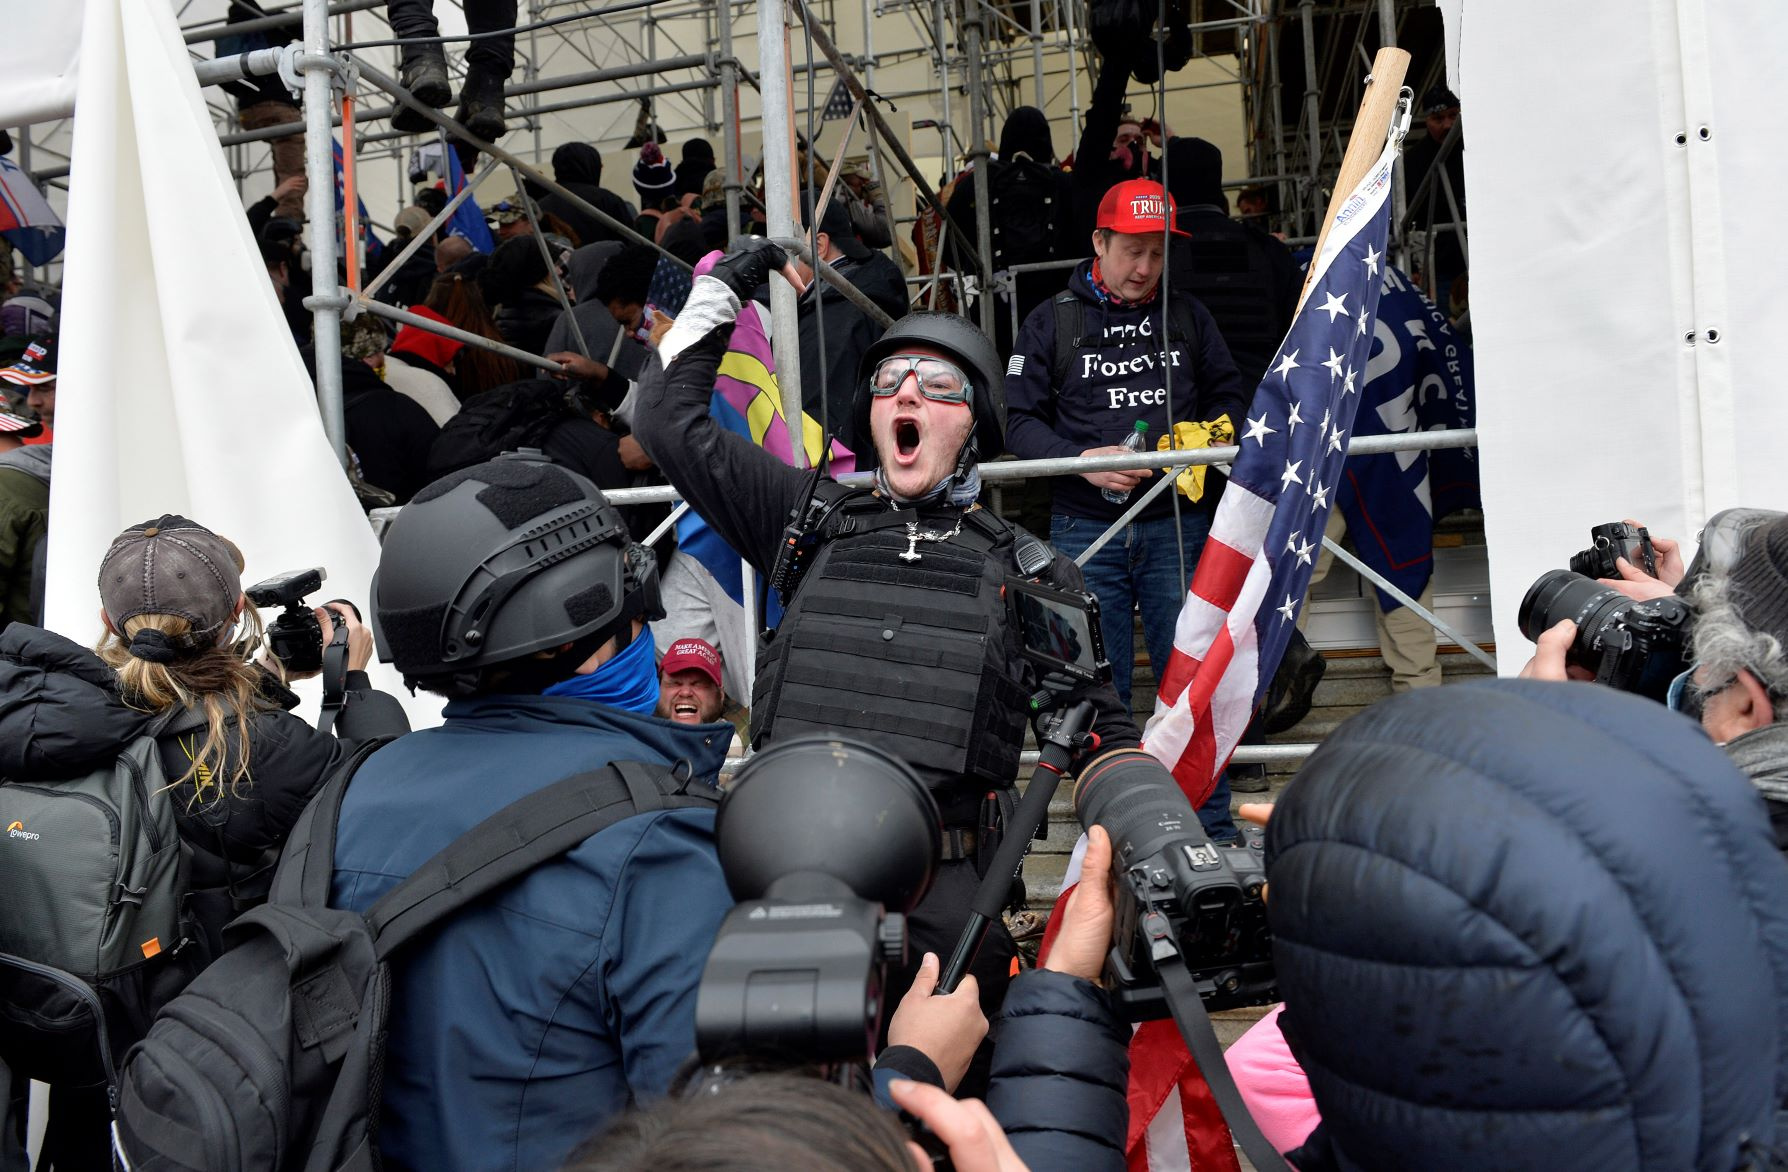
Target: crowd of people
column 482, row 944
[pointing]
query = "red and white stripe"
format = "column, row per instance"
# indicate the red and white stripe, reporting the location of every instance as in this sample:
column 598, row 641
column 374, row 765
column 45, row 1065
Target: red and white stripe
column 1206, row 697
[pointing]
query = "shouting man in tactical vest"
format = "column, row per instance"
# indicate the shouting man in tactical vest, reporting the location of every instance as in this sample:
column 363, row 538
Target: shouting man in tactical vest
column 895, row 629
column 1107, row 360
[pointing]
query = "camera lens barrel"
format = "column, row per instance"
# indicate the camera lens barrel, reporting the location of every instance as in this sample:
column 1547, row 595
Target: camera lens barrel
column 1560, row 594
column 1138, row 802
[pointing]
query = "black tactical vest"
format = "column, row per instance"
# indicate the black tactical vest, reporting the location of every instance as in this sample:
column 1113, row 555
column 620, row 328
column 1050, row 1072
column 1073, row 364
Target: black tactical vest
column 912, row 653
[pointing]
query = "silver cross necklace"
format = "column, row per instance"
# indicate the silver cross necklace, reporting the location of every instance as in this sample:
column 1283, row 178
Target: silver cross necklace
column 914, row 535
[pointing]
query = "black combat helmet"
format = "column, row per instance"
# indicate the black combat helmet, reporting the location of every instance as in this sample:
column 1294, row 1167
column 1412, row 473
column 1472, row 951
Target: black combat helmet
column 969, row 348
column 497, row 561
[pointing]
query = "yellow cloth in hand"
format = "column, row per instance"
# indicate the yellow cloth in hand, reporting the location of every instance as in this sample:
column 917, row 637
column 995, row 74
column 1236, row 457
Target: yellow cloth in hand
column 1218, row 433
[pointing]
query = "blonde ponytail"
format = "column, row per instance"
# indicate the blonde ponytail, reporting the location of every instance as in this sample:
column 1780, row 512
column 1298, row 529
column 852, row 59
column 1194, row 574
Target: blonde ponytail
column 218, row 682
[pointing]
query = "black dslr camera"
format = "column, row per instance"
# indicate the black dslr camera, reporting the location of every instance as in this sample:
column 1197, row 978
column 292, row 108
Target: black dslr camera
column 826, row 843
column 1637, row 647
column 1617, row 539
column 295, row 638
column 1182, row 901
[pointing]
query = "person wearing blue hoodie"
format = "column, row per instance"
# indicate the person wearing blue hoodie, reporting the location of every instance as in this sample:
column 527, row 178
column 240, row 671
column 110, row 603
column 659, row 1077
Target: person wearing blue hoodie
column 513, row 588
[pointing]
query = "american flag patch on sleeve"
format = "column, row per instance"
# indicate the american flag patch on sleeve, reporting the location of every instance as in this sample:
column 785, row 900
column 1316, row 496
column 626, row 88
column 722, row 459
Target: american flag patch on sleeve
column 1015, row 367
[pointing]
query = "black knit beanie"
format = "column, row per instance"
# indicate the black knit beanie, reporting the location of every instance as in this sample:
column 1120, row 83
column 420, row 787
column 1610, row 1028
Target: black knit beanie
column 1760, row 580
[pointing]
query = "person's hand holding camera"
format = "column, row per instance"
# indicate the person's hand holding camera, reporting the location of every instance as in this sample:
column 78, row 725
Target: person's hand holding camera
column 1640, row 586
column 945, row 1028
column 360, row 637
column 1084, row 939
column 967, row 1127
column 1549, row 651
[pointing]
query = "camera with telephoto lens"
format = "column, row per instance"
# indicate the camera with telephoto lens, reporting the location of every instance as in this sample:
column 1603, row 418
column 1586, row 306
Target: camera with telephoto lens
column 826, row 844
column 1637, row 647
column 295, row 638
column 1612, row 541
column 1181, row 899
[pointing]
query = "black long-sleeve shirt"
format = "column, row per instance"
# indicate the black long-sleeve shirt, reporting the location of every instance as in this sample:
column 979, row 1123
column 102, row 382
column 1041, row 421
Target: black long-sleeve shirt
column 746, row 494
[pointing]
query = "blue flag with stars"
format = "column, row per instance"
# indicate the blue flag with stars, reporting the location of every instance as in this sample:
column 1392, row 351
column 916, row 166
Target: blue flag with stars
column 1256, row 565
column 1419, row 378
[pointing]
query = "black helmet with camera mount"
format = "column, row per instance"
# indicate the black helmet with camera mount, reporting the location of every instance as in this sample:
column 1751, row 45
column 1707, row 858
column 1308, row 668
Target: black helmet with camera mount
column 966, row 346
column 495, row 562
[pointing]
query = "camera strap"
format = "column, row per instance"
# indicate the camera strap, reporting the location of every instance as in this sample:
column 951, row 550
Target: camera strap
column 335, row 679
column 1201, row 1039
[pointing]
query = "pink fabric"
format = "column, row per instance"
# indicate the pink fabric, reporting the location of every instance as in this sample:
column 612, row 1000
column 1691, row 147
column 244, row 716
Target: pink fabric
column 1273, row 1084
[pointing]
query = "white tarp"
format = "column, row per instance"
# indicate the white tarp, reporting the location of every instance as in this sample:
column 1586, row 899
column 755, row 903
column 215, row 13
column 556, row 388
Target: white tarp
column 180, row 388
column 1627, row 187
column 37, row 59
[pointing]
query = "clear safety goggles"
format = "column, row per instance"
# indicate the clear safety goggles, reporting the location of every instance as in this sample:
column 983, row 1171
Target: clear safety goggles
column 939, row 380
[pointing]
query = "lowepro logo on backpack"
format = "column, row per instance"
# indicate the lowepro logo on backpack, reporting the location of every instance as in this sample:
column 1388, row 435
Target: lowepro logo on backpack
column 17, row 830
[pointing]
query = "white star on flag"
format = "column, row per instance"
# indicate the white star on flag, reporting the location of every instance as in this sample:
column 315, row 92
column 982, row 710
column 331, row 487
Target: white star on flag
column 1362, row 330
column 1291, row 543
column 1287, row 364
column 1372, row 256
column 1304, row 551
column 1334, row 362
column 1291, row 474
column 1258, row 430
column 1290, row 609
column 1319, row 498
column 1334, row 306
column 1347, row 383
column 1335, row 440
column 1292, row 420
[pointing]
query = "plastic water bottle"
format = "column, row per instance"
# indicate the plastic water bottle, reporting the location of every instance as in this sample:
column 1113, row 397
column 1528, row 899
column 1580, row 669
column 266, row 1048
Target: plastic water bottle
column 1136, row 441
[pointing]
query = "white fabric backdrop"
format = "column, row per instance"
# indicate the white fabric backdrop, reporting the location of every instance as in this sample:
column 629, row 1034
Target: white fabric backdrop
column 180, row 388
column 1598, row 246
column 37, row 59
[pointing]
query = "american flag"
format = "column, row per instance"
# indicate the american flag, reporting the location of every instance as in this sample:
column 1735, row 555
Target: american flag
column 1244, row 599
column 838, row 103
column 1256, row 565
column 27, row 221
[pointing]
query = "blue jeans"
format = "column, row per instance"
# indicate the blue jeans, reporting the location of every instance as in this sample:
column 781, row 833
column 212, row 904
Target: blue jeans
column 1139, row 570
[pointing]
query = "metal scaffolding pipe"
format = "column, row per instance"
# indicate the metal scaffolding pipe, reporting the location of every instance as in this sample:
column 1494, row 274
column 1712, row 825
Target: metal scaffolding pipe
column 405, row 317
column 236, row 66
column 774, row 83
column 319, row 170
column 1312, row 110
column 1387, row 39
column 999, row 471
column 390, row 85
column 972, row 28
column 823, row 41
column 285, row 18
column 834, row 278
column 529, row 113
column 732, row 153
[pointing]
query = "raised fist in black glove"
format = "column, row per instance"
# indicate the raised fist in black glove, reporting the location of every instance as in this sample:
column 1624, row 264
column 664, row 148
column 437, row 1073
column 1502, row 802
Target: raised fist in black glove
column 748, row 264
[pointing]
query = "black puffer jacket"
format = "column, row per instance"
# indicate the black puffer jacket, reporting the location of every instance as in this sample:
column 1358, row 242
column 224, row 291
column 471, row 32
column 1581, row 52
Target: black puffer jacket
column 1531, row 926
column 61, row 716
column 1060, row 1067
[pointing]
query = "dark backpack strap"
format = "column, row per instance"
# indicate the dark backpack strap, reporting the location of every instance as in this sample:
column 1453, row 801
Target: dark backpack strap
column 177, row 719
column 1182, row 321
column 521, row 836
column 307, row 862
column 1069, row 317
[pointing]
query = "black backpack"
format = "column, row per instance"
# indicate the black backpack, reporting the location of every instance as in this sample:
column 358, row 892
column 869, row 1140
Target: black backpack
column 503, row 419
column 273, row 1058
column 96, row 931
column 1025, row 212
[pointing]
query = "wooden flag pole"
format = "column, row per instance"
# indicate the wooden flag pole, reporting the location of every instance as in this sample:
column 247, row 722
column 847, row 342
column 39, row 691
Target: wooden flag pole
column 1370, row 128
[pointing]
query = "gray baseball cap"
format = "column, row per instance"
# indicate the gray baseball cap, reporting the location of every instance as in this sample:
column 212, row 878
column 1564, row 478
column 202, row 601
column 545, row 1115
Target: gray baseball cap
column 172, row 566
